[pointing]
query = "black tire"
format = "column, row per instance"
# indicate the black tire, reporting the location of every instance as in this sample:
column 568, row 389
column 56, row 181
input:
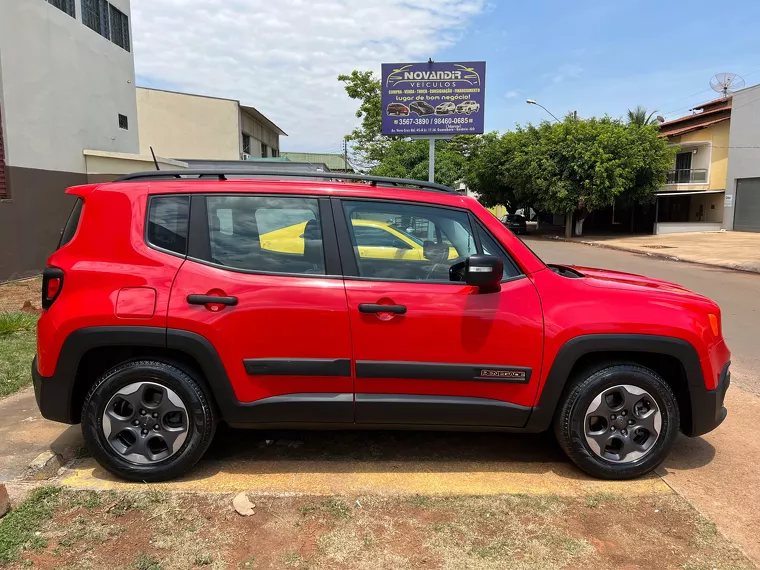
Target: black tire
column 569, row 422
column 201, row 419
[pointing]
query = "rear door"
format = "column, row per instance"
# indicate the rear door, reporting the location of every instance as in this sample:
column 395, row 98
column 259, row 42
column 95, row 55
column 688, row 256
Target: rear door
column 428, row 349
column 262, row 284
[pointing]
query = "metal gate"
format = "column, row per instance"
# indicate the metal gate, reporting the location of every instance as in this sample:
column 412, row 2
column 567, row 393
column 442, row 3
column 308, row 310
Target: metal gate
column 747, row 207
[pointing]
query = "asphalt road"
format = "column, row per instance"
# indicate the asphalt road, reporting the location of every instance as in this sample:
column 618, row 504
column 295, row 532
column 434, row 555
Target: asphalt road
column 737, row 293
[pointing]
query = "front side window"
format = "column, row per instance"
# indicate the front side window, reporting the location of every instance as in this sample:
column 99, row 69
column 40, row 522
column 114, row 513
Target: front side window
column 408, row 242
column 266, row 234
column 168, row 219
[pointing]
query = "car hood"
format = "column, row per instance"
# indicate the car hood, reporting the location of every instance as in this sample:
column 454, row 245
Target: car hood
column 619, row 280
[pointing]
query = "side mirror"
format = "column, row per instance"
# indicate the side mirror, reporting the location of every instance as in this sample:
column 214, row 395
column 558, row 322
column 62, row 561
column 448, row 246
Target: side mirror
column 484, row 272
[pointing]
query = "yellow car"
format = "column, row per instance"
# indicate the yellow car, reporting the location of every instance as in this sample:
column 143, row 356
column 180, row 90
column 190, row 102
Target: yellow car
column 375, row 239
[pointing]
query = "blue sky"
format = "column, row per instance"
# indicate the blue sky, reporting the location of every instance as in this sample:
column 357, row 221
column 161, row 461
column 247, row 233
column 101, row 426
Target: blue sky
column 606, row 57
column 595, row 57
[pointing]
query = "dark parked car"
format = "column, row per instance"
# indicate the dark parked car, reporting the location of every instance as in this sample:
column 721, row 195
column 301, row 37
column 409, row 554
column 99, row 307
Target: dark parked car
column 422, row 108
column 515, row 223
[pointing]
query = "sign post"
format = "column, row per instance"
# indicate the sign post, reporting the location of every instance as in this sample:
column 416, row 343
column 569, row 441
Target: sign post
column 431, row 161
column 433, row 100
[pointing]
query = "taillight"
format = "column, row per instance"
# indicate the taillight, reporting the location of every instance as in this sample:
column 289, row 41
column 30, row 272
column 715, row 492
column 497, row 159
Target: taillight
column 52, row 284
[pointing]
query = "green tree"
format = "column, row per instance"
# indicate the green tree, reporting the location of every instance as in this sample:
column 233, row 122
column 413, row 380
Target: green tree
column 410, row 159
column 368, row 142
column 639, row 116
column 578, row 166
column 488, row 170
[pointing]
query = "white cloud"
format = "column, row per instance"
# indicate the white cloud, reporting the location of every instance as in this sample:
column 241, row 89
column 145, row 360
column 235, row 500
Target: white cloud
column 514, row 93
column 567, row 71
column 283, row 57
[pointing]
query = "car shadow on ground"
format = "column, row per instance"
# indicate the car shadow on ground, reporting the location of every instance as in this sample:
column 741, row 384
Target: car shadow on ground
column 272, row 452
column 688, row 453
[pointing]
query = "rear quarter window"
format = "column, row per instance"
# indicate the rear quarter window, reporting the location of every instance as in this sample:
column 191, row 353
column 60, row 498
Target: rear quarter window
column 71, row 224
column 168, row 219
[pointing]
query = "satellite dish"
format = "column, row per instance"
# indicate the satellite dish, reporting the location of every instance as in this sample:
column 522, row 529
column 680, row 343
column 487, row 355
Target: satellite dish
column 726, row 83
column 660, row 119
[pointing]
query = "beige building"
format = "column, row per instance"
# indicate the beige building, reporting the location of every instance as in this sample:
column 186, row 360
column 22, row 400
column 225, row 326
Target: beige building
column 185, row 126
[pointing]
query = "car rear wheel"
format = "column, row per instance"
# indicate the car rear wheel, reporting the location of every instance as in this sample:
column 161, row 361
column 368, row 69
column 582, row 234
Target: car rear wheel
column 618, row 421
column 147, row 420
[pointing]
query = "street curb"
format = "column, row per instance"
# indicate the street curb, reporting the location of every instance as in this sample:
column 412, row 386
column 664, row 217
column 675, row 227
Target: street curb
column 665, row 256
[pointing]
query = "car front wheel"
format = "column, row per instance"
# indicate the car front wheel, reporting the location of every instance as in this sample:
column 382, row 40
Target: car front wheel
column 618, row 421
column 147, row 420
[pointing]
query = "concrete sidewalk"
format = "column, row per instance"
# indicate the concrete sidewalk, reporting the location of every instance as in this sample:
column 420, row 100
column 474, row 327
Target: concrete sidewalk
column 730, row 250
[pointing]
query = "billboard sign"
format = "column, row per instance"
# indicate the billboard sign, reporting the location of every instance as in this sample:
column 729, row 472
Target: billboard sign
column 422, row 99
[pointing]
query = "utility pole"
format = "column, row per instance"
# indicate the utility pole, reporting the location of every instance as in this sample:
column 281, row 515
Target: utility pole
column 431, row 169
column 345, row 155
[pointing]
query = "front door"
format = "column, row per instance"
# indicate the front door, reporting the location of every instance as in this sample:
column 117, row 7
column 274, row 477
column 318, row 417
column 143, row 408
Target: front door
column 262, row 284
column 428, row 349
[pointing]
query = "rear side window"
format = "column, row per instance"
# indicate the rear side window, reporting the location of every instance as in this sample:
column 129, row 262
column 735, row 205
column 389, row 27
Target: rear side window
column 71, row 224
column 168, row 219
column 266, row 234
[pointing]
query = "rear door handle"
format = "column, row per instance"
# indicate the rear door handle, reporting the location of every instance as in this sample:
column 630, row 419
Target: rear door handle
column 372, row 308
column 212, row 300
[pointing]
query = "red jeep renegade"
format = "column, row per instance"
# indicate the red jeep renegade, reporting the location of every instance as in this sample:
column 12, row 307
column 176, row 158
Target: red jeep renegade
column 179, row 300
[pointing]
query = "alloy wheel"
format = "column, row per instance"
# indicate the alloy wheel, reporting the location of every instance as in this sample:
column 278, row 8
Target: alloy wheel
column 145, row 422
column 622, row 423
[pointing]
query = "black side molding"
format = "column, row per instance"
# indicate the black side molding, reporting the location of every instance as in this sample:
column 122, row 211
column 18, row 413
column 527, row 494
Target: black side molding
column 439, row 371
column 407, row 409
column 298, row 366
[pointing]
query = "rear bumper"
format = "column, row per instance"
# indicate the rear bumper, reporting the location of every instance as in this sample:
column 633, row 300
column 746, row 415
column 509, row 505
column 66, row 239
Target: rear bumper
column 53, row 396
column 707, row 407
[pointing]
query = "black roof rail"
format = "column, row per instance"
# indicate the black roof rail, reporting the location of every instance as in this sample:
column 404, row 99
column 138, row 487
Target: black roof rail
column 225, row 174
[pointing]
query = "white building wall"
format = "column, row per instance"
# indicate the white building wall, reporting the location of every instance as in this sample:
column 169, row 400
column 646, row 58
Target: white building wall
column 744, row 145
column 64, row 94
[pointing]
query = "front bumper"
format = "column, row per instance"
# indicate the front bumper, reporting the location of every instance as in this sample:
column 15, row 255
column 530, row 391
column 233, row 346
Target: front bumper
column 53, row 396
column 707, row 408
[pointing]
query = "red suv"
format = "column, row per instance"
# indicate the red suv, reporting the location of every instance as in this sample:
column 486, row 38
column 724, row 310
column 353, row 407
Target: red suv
column 179, row 300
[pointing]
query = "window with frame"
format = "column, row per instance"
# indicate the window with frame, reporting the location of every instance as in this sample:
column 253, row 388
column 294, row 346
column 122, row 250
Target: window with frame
column 266, row 234
column 246, row 143
column 123, row 122
column 95, row 16
column 168, row 219
column 424, row 243
column 433, row 242
column 264, row 151
column 119, row 28
column 64, row 6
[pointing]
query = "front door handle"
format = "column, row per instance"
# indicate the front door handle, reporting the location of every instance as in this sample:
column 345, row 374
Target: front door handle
column 370, row 308
column 212, row 300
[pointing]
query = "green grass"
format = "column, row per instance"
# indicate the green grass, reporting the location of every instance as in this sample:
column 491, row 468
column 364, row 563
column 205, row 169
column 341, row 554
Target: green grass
column 17, row 321
column 18, row 528
column 147, row 562
column 18, row 345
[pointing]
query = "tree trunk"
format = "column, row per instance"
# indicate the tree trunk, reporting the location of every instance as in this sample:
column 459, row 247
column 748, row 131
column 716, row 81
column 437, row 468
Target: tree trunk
column 569, row 225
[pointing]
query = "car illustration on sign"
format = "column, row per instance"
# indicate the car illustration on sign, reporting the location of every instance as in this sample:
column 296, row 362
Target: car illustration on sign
column 445, row 108
column 397, row 109
column 422, row 108
column 468, row 107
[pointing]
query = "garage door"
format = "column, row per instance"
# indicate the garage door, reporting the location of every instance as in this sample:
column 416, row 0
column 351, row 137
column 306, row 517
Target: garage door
column 747, row 216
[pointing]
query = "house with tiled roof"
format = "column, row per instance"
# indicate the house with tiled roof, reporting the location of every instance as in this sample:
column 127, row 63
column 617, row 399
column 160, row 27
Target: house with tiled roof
column 693, row 198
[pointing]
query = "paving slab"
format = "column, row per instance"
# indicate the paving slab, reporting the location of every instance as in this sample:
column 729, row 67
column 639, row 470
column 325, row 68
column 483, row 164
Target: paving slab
column 25, row 434
column 730, row 250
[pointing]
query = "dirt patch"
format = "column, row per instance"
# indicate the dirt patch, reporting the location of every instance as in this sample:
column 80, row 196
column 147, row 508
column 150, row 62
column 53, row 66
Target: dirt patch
column 14, row 294
column 159, row 531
